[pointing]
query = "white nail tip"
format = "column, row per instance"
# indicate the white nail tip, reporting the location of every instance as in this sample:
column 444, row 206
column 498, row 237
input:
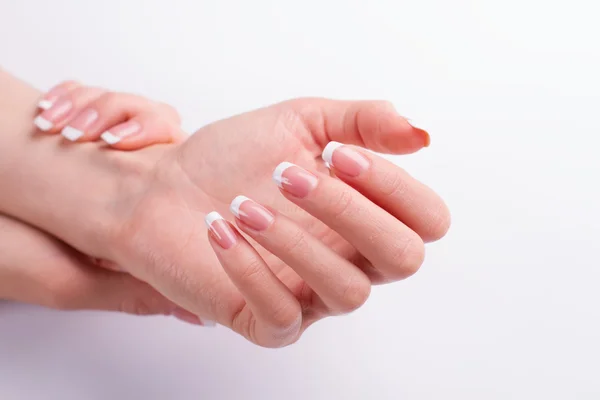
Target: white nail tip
column 328, row 151
column 278, row 172
column 235, row 205
column 209, row 324
column 71, row 133
column 42, row 123
column 212, row 217
column 110, row 138
column 44, row 104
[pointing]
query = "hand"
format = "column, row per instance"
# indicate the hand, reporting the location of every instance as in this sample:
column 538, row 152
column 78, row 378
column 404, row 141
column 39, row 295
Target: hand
column 39, row 269
column 124, row 121
column 320, row 242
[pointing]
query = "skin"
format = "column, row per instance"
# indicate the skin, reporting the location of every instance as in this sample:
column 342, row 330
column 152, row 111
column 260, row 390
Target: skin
column 51, row 273
column 149, row 216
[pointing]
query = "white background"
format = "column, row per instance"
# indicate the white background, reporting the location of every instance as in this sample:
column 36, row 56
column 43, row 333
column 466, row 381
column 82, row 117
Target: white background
column 505, row 307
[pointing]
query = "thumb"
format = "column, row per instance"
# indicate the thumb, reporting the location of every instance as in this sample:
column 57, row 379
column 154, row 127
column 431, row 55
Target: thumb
column 375, row 125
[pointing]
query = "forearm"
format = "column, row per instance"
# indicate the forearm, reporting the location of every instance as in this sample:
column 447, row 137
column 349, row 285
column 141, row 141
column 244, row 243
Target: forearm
column 45, row 181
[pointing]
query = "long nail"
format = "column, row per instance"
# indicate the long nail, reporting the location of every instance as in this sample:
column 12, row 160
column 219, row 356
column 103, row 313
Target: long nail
column 345, row 159
column 46, row 120
column 251, row 213
column 77, row 127
column 117, row 133
column 294, row 180
column 220, row 230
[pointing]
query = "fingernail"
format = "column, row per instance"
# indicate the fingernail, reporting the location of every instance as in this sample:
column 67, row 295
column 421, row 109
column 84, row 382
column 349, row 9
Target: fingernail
column 46, row 120
column 424, row 133
column 44, row 104
column 77, row 127
column 220, row 230
column 345, row 159
column 294, row 180
column 51, row 97
column 117, row 133
column 251, row 213
column 186, row 316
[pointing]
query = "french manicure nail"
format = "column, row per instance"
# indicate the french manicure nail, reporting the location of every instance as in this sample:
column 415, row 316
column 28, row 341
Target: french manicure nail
column 251, row 213
column 220, row 230
column 119, row 132
column 50, row 97
column 42, row 123
column 77, row 127
column 44, row 104
column 47, row 119
column 294, row 180
column 345, row 159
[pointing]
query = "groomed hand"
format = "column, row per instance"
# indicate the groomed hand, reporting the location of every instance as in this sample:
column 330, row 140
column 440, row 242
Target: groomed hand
column 310, row 248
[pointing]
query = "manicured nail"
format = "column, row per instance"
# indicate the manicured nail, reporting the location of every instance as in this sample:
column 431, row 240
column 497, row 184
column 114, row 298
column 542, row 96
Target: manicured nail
column 345, row 159
column 251, row 213
column 416, row 125
column 44, row 104
column 294, row 180
column 42, row 123
column 46, row 120
column 220, row 230
column 77, row 127
column 117, row 133
column 51, row 97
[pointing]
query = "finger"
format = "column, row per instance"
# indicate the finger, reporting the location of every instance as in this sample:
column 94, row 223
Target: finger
column 141, row 131
column 389, row 186
column 92, row 288
column 57, row 91
column 375, row 125
column 67, row 106
column 390, row 246
column 106, row 111
column 277, row 313
column 339, row 284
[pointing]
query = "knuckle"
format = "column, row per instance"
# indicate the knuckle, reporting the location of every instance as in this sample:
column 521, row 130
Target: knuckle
column 392, row 183
column 253, row 270
column 171, row 111
column 296, row 243
column 108, row 100
column 406, row 257
column 356, row 293
column 340, row 204
column 286, row 319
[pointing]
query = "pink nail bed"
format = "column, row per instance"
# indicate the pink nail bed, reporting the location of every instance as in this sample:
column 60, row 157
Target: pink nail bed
column 251, row 213
column 119, row 132
column 294, row 180
column 220, row 230
column 345, row 159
